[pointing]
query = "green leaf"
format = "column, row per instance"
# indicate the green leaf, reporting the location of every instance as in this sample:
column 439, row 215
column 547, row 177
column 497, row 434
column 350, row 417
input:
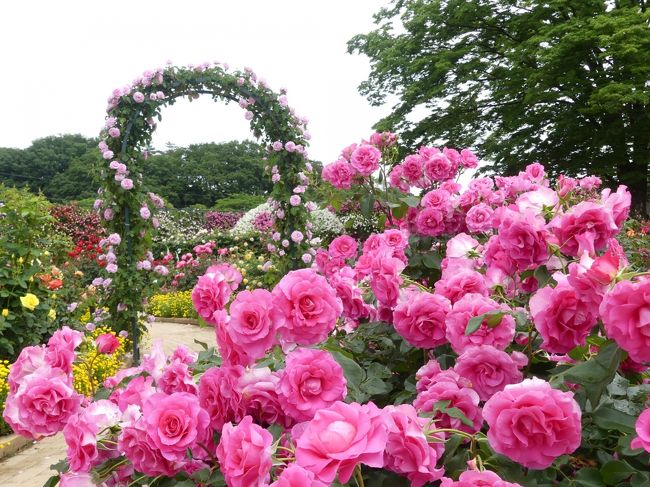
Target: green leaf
column 367, row 205
column 542, row 275
column 400, row 211
column 458, row 414
column 492, row 318
column 410, row 200
column 616, row 471
column 588, row 477
column 52, row 481
column 608, row 418
column 431, row 260
column 354, row 374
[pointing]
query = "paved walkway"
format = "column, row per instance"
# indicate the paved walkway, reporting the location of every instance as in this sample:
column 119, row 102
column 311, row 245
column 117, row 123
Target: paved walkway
column 31, row 467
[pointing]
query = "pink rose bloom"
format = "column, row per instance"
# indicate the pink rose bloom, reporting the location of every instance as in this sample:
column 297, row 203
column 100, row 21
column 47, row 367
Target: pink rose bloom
column 76, row 479
column 479, row 218
column 341, row 437
column 354, row 307
column 397, row 180
column 522, row 237
column 625, row 312
column 176, row 423
column 462, row 245
column 211, row 293
column 29, row 361
column 107, row 343
column 220, row 396
column 618, row 204
column 339, row 174
column 138, row 447
column 430, row 222
column 312, row 380
column 438, row 167
column 468, row 307
column 425, row 376
column 395, row 239
column 497, row 257
column 305, row 307
column 476, row 478
column 177, row 377
column 145, row 213
column 385, row 277
column 184, row 354
column 408, row 451
column 412, row 169
column 439, row 199
column 420, row 319
column 230, row 351
column 468, row 159
column 586, row 227
column 60, row 350
column 642, row 428
column 250, row 322
column 138, row 97
column 296, row 476
column 535, row 172
column 344, row 247
column 365, row 159
column 294, row 200
column 561, row 317
column 42, row 405
column 244, row 454
column 532, row 423
column 454, row 285
column 490, row 370
column 259, row 393
column 136, row 392
column 449, row 386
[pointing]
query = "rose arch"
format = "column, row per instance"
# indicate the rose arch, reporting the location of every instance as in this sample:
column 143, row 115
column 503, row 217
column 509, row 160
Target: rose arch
column 128, row 208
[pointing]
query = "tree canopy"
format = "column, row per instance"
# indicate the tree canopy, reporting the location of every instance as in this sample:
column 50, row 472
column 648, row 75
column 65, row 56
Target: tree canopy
column 562, row 82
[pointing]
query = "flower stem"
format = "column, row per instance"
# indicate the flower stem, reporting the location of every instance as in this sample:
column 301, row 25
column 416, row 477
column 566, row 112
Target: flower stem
column 358, row 477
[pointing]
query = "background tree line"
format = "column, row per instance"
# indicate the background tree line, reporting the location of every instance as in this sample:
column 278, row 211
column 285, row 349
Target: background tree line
column 562, row 82
column 228, row 176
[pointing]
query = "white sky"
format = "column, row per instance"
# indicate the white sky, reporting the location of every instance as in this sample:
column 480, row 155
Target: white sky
column 60, row 60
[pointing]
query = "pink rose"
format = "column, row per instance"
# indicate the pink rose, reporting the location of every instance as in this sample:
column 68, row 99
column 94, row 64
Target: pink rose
column 177, row 377
column 312, row 380
column 250, row 322
column 642, row 428
column 438, row 167
column 60, row 350
column 490, row 370
column 176, row 423
column 29, row 361
column 470, row 306
column 532, row 423
column 232, row 275
column 354, row 307
column 244, row 454
column 586, row 227
column 397, row 180
column 439, row 199
column 76, row 479
column 211, row 293
column 454, row 285
column 138, row 447
column 479, row 218
column 296, row 476
column 126, row 184
column 259, row 394
column 385, row 277
column 625, row 312
column 535, row 172
column 618, row 203
column 523, row 238
column 420, row 319
column 220, row 396
column 365, row 159
column 412, row 169
column 339, row 174
column 230, row 351
column 425, row 376
column 430, row 222
column 136, row 392
column 449, row 386
column 408, row 452
column 468, row 159
column 563, row 319
column 305, row 307
column 476, row 478
column 43, row 403
column 344, row 247
column 341, row 437
column 107, row 343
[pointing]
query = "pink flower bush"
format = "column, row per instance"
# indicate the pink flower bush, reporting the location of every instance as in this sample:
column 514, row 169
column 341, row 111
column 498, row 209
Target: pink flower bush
column 244, row 454
column 220, row 396
column 312, row 380
column 625, row 312
column 476, row 478
column 420, row 319
column 341, row 437
column 305, row 307
column 532, row 423
column 365, row 159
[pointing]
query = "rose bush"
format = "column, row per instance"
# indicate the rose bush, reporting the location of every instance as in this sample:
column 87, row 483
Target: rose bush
column 501, row 346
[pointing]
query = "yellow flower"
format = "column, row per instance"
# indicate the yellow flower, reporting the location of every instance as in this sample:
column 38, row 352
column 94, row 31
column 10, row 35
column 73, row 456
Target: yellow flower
column 29, row 301
column 78, row 273
column 51, row 314
column 20, row 260
column 5, row 312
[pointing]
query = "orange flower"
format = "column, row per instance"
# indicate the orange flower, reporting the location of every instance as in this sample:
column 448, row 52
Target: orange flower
column 55, row 284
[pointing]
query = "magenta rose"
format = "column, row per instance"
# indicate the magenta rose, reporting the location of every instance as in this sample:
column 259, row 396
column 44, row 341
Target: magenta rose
column 42, row 404
column 312, row 380
column 408, row 452
column 477, row 478
column 136, row 392
column 259, row 394
column 211, row 293
column 107, row 343
column 430, row 222
column 490, row 370
column 60, row 350
column 625, row 312
column 305, row 307
column 562, row 318
column 176, row 423
column 139, row 449
column 412, row 167
column 354, row 307
column 343, row 246
column 586, row 227
column 438, row 167
column 244, row 454
column 523, row 238
column 177, row 377
column 339, row 174
column 454, row 285
column 642, row 428
column 296, row 476
column 365, row 159
column 479, row 218
column 250, row 323
column 532, row 423
column 385, row 277
column 470, row 306
column 341, row 437
column 220, row 396
column 28, row 362
column 420, row 319
column 425, row 376
column 230, row 351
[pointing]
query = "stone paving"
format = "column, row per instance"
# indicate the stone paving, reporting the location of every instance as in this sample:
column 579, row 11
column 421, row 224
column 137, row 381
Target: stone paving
column 31, row 466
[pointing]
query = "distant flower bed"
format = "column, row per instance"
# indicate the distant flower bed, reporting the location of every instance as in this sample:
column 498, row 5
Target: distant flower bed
column 172, row 305
column 221, row 220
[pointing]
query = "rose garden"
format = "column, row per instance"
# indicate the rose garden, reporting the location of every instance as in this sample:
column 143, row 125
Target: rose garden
column 376, row 322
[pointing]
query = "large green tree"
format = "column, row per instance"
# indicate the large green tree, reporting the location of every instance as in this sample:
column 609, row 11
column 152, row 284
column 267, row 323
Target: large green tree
column 563, row 82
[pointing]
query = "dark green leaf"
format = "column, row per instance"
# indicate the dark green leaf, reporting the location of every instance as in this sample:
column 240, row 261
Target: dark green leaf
column 616, row 471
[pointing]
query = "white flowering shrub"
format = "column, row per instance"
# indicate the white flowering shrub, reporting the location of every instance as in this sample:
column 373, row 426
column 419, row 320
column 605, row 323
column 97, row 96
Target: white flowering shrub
column 324, row 221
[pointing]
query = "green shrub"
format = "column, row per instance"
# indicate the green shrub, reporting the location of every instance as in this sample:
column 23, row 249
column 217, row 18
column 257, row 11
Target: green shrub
column 239, row 202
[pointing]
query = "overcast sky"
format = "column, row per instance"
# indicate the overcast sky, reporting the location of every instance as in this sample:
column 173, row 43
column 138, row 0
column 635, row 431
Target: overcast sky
column 61, row 60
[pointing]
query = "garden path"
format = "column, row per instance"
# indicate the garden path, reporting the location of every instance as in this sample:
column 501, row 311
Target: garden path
column 31, row 467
